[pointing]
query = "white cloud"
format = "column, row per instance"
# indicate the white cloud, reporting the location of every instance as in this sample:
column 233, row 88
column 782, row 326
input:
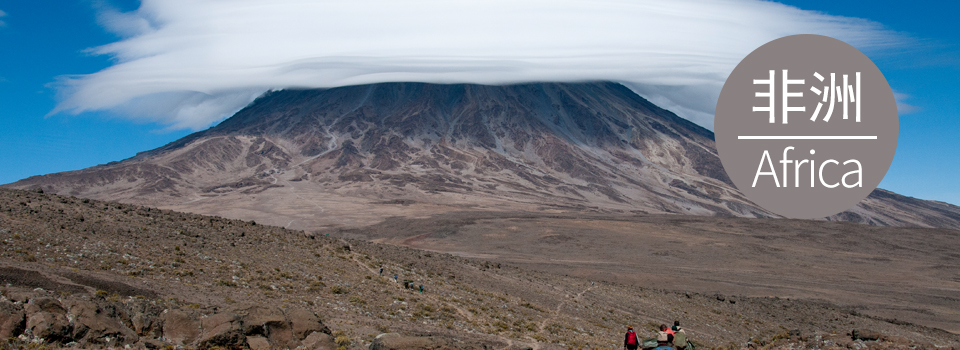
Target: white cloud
column 123, row 24
column 190, row 63
column 2, row 23
column 902, row 106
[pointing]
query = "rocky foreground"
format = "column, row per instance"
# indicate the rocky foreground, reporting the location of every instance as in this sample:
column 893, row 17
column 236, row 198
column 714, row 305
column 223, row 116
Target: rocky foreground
column 111, row 320
column 88, row 274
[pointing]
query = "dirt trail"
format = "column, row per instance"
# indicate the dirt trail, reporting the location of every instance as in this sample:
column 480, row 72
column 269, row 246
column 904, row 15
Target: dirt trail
column 375, row 272
column 567, row 298
column 510, row 343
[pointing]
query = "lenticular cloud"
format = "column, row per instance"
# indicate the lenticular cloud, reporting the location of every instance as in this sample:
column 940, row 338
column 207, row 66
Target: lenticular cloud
column 190, row 63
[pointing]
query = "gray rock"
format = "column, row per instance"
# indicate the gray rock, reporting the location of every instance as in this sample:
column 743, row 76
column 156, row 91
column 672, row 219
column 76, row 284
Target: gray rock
column 304, row 322
column 319, row 341
column 44, row 304
column 257, row 342
column 49, row 326
column 865, row 334
column 221, row 330
column 93, row 324
column 155, row 344
column 179, row 327
column 145, row 325
column 268, row 322
column 12, row 320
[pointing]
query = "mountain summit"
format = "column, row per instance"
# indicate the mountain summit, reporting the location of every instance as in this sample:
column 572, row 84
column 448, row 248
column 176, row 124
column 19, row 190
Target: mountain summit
column 355, row 155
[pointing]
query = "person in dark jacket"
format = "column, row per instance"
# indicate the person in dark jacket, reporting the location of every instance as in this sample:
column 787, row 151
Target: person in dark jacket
column 630, row 340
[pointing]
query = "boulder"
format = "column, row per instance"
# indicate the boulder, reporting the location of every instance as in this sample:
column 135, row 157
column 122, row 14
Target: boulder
column 12, row 320
column 93, row 324
column 49, row 326
column 257, row 342
column 44, row 304
column 844, row 343
column 268, row 322
column 319, row 341
column 304, row 322
column 179, row 327
column 865, row 334
column 145, row 325
column 144, row 319
column 222, row 330
column 118, row 311
column 897, row 340
column 395, row 341
column 153, row 344
column 258, row 319
column 21, row 296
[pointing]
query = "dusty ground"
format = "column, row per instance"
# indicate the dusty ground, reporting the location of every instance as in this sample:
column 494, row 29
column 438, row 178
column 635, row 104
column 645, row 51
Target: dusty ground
column 214, row 262
column 908, row 274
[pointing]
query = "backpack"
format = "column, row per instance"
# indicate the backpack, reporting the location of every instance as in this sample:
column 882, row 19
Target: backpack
column 631, row 338
column 663, row 337
column 680, row 338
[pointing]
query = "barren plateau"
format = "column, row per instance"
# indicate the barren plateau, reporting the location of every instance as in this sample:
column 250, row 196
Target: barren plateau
column 64, row 255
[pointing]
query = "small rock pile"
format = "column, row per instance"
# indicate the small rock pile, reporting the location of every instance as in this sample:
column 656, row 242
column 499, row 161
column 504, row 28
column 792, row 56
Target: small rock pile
column 98, row 320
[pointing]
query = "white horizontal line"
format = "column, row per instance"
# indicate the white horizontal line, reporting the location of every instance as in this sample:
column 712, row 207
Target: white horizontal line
column 809, row 137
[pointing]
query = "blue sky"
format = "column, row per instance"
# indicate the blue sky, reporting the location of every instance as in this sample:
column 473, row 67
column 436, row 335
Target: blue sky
column 40, row 41
column 44, row 42
column 927, row 162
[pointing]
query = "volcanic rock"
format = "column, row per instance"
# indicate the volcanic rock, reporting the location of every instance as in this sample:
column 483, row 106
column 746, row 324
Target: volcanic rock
column 12, row 320
column 180, row 327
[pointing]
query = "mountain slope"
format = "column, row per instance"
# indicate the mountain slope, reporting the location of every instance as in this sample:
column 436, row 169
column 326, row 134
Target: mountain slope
column 120, row 266
column 354, row 155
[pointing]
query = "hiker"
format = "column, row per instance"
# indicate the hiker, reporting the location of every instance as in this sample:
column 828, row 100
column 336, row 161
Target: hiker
column 630, row 340
column 679, row 336
column 664, row 339
column 381, row 271
column 421, row 289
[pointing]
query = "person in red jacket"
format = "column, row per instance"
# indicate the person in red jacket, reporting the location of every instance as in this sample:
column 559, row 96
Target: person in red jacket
column 630, row 340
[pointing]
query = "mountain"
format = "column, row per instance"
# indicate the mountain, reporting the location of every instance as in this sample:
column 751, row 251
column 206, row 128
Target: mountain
column 355, row 155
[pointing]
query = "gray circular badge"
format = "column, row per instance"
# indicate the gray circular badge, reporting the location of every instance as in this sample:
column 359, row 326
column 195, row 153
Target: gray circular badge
column 806, row 126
